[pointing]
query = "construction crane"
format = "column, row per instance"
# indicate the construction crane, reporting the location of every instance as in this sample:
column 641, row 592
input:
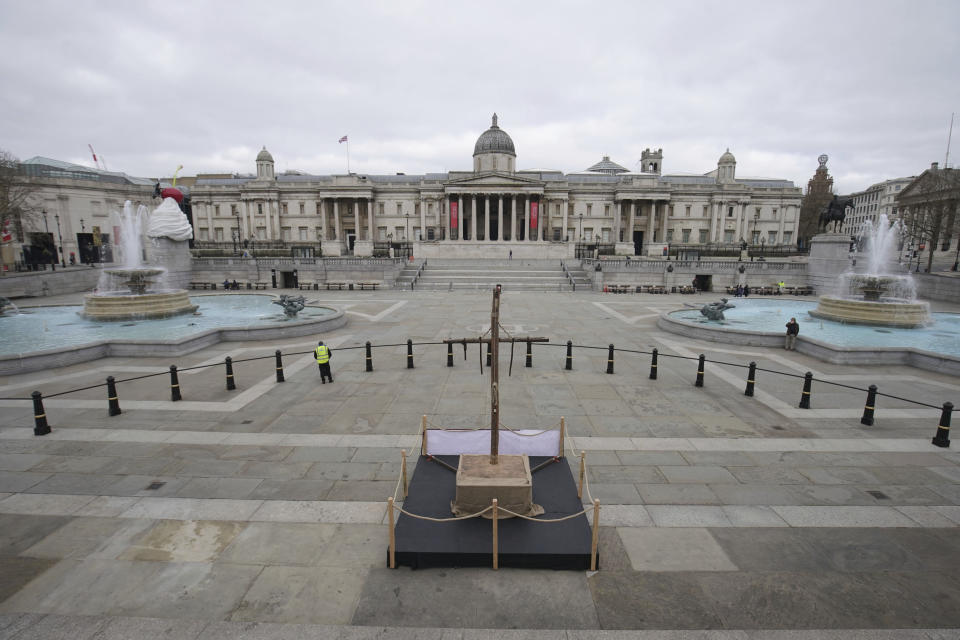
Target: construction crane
column 99, row 164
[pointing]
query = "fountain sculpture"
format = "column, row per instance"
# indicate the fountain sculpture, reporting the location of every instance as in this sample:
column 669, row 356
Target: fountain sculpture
column 141, row 299
column 878, row 296
column 292, row 305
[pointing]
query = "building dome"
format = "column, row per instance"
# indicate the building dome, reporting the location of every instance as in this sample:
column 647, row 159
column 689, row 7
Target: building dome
column 494, row 140
column 264, row 156
column 726, row 157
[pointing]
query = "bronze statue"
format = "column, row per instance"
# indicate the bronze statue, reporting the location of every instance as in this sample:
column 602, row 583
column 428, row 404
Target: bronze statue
column 835, row 212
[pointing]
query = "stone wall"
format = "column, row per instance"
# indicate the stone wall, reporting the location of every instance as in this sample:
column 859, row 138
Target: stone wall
column 382, row 270
column 936, row 286
column 35, row 284
column 723, row 273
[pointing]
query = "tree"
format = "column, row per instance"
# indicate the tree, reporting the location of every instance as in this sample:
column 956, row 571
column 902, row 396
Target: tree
column 15, row 191
column 929, row 207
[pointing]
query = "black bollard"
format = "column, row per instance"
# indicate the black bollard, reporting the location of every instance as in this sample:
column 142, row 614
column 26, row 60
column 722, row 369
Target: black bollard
column 751, row 377
column 231, row 385
column 449, row 354
column 805, row 396
column 280, row 377
column 112, row 399
column 174, row 384
column 489, row 355
column 700, row 365
column 867, row 418
column 40, row 426
column 653, row 365
column 610, row 360
column 569, row 355
column 942, row 439
column 409, row 354
column 369, row 356
column 529, row 354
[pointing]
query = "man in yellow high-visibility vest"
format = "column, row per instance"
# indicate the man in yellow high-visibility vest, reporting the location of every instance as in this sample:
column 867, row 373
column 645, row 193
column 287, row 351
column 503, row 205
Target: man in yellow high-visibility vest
column 322, row 354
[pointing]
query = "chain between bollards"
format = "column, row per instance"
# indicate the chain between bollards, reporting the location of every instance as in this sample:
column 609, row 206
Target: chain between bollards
column 280, row 377
column 942, row 439
column 40, row 426
column 369, row 356
column 867, row 418
column 529, row 362
column 174, row 384
column 112, row 399
column 231, row 385
column 610, row 359
column 700, row 366
column 569, row 355
column 751, row 378
column 653, row 365
column 805, row 396
column 409, row 354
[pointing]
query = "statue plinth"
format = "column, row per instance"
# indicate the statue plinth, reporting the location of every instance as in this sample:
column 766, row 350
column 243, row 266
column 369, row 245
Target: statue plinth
column 509, row 481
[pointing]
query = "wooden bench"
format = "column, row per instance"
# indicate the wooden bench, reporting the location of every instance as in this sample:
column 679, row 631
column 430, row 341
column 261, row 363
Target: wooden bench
column 259, row 285
column 336, row 285
column 305, row 285
column 368, row 285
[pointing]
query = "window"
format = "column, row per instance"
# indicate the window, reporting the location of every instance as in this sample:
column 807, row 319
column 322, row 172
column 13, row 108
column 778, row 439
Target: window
column 285, row 234
column 686, row 233
column 399, row 208
column 379, row 208
column 382, row 232
column 302, row 232
column 203, row 234
column 588, row 233
column 787, row 237
column 774, row 213
column 319, row 208
column 233, row 209
column 756, row 237
column 669, row 235
column 730, row 212
column 606, row 234
column 606, row 210
column 728, row 236
column 771, row 237
column 703, row 236
column 705, row 211
column 216, row 210
column 589, row 209
column 283, row 208
column 688, row 210
column 301, row 208
column 259, row 209
column 219, row 234
column 756, row 212
column 261, row 233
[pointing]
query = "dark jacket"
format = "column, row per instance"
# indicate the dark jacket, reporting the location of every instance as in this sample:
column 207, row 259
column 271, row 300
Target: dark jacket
column 793, row 328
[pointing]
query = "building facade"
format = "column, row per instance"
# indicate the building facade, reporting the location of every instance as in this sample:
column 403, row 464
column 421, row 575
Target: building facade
column 535, row 212
column 871, row 203
column 487, row 211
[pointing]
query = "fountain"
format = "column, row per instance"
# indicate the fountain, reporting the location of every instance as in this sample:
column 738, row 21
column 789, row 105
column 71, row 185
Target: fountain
column 141, row 299
column 878, row 296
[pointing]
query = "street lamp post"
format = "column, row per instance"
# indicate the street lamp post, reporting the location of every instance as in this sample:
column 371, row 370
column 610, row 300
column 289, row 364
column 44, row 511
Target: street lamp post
column 63, row 263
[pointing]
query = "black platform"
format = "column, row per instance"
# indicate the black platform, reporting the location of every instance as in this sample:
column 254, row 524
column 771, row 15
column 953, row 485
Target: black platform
column 468, row 543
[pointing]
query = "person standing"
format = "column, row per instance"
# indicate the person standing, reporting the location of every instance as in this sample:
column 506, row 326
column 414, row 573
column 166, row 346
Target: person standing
column 322, row 354
column 793, row 328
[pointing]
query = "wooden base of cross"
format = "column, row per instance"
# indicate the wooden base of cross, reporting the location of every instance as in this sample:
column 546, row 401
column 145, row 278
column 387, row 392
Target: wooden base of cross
column 494, row 341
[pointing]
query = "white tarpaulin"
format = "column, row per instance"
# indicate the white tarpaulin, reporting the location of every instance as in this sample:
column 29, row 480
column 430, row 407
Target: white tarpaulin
column 531, row 442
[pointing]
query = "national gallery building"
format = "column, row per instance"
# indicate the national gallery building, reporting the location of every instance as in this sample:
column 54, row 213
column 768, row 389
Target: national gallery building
column 495, row 208
column 487, row 212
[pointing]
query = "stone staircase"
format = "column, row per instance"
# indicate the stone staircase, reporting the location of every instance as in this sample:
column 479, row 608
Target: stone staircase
column 513, row 275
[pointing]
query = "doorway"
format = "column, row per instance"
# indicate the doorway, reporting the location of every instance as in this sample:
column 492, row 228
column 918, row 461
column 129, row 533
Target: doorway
column 637, row 242
column 703, row 282
column 351, row 240
column 288, row 279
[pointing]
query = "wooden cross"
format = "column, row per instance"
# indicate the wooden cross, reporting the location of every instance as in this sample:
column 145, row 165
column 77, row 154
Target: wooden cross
column 494, row 342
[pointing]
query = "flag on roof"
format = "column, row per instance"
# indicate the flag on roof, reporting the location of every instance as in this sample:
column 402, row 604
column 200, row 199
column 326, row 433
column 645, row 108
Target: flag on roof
column 343, row 139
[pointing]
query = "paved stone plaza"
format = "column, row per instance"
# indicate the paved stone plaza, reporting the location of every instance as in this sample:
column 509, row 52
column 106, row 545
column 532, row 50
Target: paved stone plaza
column 747, row 517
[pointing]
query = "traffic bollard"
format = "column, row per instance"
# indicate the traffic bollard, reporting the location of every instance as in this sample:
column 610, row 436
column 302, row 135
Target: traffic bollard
column 700, row 366
column 805, row 396
column 653, row 365
column 409, row 354
column 569, row 355
column 529, row 354
column 610, row 360
column 449, row 354
column 751, row 378
column 369, row 356
column 40, row 426
column 231, row 385
column 280, row 377
column 942, row 439
column 112, row 399
column 174, row 384
column 867, row 418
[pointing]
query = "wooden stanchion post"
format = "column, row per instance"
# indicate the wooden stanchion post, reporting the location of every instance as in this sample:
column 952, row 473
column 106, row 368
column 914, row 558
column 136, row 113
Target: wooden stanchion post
column 496, row 555
column 583, row 465
column 423, row 436
column 393, row 535
column 596, row 535
column 403, row 471
column 563, row 434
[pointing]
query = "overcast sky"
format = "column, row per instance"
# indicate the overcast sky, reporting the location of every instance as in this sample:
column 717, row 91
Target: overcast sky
column 152, row 85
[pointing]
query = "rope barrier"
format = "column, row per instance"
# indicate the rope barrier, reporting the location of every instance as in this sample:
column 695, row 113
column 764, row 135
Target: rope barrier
column 546, row 521
column 450, row 519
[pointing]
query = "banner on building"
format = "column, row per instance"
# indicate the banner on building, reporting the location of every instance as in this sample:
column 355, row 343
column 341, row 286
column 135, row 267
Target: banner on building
column 453, row 214
column 533, row 214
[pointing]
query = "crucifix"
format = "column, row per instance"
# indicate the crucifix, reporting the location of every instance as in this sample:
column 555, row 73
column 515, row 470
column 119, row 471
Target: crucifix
column 494, row 342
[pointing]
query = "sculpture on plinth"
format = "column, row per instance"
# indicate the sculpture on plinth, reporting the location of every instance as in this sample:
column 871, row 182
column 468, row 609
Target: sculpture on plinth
column 714, row 310
column 292, row 305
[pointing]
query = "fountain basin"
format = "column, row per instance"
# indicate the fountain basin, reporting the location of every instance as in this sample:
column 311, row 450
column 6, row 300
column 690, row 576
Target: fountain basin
column 148, row 306
column 885, row 312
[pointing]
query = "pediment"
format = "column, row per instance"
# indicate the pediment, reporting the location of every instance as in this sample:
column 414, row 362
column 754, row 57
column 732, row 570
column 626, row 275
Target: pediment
column 494, row 179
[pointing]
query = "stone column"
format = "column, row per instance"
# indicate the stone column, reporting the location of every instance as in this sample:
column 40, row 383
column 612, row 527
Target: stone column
column 423, row 219
column 633, row 220
column 500, row 219
column 460, row 217
column 486, row 217
column 664, row 221
column 513, row 218
column 208, row 209
column 322, row 209
column 336, row 220
column 616, row 222
column 473, row 219
column 370, row 205
column 651, row 221
column 526, row 218
column 565, row 206
column 739, row 230
column 783, row 215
